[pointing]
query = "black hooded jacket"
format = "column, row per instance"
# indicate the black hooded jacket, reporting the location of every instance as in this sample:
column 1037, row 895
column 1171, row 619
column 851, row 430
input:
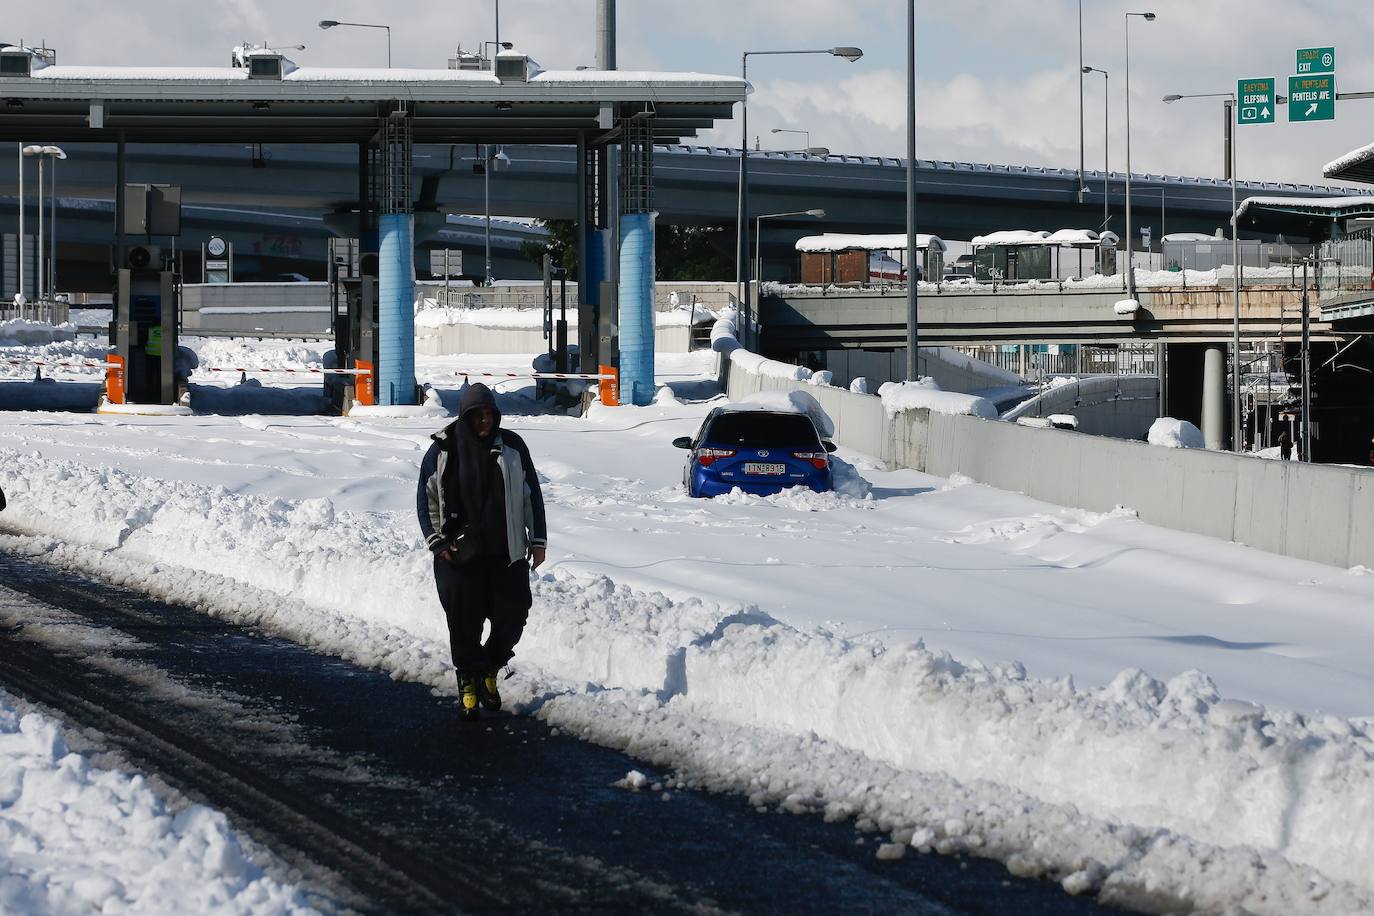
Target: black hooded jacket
column 492, row 483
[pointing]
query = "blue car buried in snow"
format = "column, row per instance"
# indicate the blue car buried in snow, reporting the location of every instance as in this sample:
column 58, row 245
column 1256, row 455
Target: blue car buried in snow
column 758, row 450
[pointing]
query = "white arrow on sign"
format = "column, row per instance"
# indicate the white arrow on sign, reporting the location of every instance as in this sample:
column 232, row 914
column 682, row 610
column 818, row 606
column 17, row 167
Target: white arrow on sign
column 1264, row 112
column 1311, row 109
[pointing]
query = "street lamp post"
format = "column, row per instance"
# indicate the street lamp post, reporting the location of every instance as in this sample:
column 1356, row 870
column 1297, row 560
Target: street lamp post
column 331, row 23
column 912, row 327
column 758, row 234
column 1130, row 242
column 490, row 162
column 1106, row 144
column 52, row 221
column 1082, row 185
column 19, row 295
column 1230, row 105
column 793, row 130
column 741, row 216
column 42, row 279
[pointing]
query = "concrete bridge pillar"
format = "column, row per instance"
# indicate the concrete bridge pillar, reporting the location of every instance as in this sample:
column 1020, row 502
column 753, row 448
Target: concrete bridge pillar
column 1214, row 397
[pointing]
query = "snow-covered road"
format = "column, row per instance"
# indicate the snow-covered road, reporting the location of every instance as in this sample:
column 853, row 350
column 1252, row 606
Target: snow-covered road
column 1014, row 677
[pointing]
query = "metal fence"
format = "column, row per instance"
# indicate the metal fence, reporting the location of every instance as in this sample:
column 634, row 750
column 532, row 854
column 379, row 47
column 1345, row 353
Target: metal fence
column 49, row 312
column 1040, row 361
column 499, row 297
column 1347, row 264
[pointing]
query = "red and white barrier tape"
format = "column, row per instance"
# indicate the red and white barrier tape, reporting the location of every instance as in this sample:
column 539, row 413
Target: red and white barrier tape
column 93, row 364
column 64, row 363
column 582, row 375
column 292, row 371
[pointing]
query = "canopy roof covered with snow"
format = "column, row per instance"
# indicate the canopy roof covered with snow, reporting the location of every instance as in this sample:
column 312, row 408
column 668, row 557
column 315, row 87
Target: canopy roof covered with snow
column 334, row 105
column 1318, row 218
column 1356, row 165
column 839, row 241
column 1085, row 238
column 1193, row 237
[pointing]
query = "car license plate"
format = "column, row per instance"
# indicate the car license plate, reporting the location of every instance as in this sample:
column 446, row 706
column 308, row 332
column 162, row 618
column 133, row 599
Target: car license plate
column 757, row 468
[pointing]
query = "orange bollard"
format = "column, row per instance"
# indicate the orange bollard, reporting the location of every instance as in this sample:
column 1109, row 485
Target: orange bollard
column 114, row 379
column 610, row 387
column 365, row 388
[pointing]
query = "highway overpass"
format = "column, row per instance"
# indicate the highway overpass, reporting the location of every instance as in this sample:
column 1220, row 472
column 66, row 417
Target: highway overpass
column 693, row 185
column 961, row 317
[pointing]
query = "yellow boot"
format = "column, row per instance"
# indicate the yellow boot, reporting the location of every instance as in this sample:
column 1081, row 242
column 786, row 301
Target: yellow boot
column 491, row 696
column 469, row 690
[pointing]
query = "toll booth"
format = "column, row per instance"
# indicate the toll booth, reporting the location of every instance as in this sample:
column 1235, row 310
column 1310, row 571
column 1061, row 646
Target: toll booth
column 353, row 291
column 144, row 332
column 145, row 328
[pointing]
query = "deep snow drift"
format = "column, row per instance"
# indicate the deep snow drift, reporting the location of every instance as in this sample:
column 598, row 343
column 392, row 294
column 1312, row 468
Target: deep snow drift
column 960, row 668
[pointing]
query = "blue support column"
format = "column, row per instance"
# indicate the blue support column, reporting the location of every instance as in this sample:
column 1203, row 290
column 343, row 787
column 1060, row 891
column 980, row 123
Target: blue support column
column 396, row 309
column 637, row 308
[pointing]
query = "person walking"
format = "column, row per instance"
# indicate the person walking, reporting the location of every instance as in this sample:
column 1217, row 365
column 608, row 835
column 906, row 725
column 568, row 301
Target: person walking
column 1285, row 446
column 482, row 514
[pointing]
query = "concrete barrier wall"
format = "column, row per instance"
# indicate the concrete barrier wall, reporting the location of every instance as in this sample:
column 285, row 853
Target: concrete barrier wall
column 531, row 295
column 290, row 307
column 473, row 338
column 1122, row 406
column 1311, row 512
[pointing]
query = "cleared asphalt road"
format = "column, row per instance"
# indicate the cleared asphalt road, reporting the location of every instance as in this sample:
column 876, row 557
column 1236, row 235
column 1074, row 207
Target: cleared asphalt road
column 385, row 802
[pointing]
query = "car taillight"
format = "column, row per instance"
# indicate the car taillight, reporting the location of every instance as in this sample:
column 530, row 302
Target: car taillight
column 707, row 456
column 819, row 460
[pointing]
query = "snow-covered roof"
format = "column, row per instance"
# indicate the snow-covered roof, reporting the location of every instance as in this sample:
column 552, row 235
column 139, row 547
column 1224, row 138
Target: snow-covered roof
column 840, row 241
column 383, row 74
column 326, row 104
column 1192, row 237
column 1012, row 237
column 1356, row 165
column 1318, row 206
column 1078, row 237
column 1085, row 237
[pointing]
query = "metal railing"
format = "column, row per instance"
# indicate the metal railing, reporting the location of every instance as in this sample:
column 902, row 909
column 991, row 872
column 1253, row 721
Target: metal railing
column 1347, row 264
column 492, row 297
column 1039, row 362
column 46, row 311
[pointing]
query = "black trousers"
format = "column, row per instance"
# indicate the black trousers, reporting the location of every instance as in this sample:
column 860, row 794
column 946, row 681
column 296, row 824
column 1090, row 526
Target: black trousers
column 484, row 589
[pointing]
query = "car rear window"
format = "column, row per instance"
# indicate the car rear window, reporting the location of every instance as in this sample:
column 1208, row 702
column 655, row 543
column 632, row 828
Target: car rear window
column 755, row 429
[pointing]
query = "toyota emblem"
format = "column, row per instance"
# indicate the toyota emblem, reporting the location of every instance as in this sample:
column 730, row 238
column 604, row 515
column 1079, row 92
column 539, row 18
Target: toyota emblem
column 763, row 453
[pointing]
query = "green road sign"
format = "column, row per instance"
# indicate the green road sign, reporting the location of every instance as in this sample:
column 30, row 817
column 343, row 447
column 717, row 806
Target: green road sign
column 1316, row 60
column 1312, row 98
column 1255, row 100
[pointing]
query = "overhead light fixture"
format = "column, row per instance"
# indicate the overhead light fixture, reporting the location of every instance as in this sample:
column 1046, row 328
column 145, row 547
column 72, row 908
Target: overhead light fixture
column 849, row 54
column 261, row 105
column 328, row 23
column 504, row 106
column 13, row 103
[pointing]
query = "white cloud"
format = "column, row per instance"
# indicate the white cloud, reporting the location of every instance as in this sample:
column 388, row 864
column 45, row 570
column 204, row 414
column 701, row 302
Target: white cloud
column 998, row 78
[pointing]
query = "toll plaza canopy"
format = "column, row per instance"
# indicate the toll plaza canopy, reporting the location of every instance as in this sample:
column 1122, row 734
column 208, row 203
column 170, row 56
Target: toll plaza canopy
column 342, row 105
column 1357, row 165
column 1311, row 216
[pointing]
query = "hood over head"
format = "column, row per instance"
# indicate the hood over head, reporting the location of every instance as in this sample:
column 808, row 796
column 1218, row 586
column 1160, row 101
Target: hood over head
column 477, row 396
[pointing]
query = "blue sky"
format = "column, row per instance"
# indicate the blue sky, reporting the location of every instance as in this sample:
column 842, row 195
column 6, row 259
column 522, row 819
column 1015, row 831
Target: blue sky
column 998, row 80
